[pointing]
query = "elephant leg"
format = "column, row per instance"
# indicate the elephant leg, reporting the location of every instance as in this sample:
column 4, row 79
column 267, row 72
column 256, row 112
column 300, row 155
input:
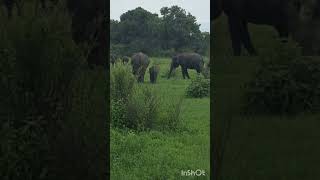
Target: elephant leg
column 235, row 33
column 198, row 70
column 187, row 74
column 183, row 72
column 153, row 78
column 142, row 77
column 200, row 67
column 171, row 69
column 246, row 38
column 9, row 7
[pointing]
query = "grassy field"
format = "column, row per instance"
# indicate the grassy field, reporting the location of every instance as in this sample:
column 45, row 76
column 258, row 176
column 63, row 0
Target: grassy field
column 162, row 155
column 260, row 147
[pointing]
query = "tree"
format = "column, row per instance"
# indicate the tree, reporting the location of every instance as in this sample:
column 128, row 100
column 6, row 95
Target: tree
column 179, row 28
column 140, row 30
column 114, row 32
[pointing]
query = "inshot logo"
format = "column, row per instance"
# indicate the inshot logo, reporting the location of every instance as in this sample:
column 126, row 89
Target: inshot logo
column 197, row 172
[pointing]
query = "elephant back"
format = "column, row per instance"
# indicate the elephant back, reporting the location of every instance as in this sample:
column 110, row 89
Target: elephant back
column 191, row 60
column 190, row 57
column 140, row 59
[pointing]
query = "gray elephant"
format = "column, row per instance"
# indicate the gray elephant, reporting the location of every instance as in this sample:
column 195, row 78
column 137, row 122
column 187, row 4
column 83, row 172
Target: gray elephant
column 140, row 63
column 284, row 15
column 154, row 71
column 125, row 59
column 187, row 61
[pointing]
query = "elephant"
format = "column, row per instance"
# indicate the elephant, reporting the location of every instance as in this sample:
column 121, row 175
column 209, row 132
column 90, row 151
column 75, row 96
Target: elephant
column 125, row 59
column 154, row 71
column 140, row 63
column 283, row 15
column 186, row 61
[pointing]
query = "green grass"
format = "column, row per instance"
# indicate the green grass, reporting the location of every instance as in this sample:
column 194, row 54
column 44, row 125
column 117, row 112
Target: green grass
column 162, row 155
column 260, row 147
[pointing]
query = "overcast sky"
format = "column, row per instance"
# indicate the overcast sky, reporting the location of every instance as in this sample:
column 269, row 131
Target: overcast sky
column 198, row 8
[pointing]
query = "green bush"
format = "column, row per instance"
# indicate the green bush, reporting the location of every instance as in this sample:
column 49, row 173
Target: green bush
column 199, row 87
column 132, row 106
column 138, row 107
column 142, row 111
column 121, row 81
column 118, row 113
column 286, row 82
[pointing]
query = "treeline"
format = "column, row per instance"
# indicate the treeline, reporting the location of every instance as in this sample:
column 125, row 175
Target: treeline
column 174, row 31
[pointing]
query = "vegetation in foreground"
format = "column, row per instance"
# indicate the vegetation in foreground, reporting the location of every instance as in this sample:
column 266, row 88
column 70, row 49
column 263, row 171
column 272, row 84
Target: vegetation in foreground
column 258, row 146
column 162, row 151
column 52, row 106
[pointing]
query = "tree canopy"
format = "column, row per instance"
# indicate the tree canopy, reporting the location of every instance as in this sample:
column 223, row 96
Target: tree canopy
column 140, row 30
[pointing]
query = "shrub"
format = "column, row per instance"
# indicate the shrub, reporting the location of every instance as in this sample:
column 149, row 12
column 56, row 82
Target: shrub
column 132, row 106
column 286, row 82
column 121, row 82
column 142, row 111
column 138, row 107
column 118, row 113
column 199, row 87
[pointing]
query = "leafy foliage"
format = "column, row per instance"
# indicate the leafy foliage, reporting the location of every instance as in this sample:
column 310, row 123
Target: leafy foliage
column 286, row 82
column 138, row 107
column 140, row 30
column 199, row 87
column 121, row 81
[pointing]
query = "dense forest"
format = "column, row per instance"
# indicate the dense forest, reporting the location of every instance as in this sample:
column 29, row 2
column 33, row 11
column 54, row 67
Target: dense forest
column 174, row 31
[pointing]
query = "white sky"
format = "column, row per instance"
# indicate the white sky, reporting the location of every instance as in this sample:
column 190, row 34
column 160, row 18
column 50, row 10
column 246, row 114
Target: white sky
column 198, row 8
